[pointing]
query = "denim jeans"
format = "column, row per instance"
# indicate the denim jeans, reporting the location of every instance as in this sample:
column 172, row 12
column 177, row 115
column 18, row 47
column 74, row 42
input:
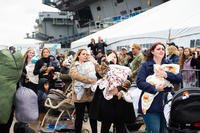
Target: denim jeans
column 155, row 123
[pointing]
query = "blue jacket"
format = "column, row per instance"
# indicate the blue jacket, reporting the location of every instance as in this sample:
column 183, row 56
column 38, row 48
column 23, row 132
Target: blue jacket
column 146, row 70
column 174, row 58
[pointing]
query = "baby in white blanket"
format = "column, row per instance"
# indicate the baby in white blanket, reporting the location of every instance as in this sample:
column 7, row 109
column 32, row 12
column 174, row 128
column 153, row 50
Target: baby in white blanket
column 86, row 68
column 147, row 98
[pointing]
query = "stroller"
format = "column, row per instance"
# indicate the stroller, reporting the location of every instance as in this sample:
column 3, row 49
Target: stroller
column 60, row 114
column 185, row 111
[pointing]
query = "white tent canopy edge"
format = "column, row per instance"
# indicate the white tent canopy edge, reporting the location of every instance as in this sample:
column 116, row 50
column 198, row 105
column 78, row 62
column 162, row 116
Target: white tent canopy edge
column 177, row 18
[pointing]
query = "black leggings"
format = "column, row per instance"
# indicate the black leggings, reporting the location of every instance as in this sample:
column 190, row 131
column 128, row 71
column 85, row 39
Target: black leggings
column 80, row 110
column 105, row 126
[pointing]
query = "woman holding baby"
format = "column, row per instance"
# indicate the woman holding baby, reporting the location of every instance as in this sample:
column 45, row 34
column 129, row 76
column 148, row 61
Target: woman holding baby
column 154, row 117
column 109, row 104
column 81, row 94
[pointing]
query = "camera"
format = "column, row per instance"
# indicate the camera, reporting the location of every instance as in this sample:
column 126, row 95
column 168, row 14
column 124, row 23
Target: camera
column 196, row 54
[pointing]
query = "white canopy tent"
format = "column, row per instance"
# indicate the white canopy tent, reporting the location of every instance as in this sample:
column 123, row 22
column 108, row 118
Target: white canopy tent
column 23, row 44
column 27, row 42
column 175, row 20
column 38, row 45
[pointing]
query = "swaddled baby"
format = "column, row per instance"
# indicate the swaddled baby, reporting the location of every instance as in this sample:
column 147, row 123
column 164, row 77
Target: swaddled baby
column 115, row 76
column 86, row 68
column 154, row 80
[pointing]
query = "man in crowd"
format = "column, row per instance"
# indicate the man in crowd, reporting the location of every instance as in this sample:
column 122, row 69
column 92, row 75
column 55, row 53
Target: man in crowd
column 195, row 62
column 93, row 47
column 123, row 57
column 101, row 45
column 138, row 58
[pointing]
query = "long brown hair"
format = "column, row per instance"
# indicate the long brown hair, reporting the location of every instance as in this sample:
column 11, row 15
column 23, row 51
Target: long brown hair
column 117, row 61
column 77, row 54
column 149, row 54
column 43, row 51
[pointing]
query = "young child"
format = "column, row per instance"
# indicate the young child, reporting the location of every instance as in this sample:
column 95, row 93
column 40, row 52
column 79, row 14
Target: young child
column 54, row 62
column 42, row 96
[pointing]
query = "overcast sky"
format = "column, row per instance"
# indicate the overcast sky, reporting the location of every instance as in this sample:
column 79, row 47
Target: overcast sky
column 17, row 17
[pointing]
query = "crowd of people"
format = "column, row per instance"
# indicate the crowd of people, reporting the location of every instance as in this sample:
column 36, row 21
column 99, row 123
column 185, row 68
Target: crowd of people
column 103, row 84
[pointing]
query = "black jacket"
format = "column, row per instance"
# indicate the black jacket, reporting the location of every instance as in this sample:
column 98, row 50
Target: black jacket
column 93, row 48
column 41, row 62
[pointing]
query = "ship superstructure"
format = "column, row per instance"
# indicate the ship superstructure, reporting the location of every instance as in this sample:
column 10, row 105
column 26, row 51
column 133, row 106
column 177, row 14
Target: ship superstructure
column 90, row 16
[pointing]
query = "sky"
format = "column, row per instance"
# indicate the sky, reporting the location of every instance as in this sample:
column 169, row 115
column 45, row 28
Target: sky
column 17, row 17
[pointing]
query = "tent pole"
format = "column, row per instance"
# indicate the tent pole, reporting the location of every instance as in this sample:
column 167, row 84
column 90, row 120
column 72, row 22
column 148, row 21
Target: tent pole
column 169, row 36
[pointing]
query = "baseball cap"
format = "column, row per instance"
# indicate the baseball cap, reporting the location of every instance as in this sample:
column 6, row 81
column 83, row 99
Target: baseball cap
column 123, row 48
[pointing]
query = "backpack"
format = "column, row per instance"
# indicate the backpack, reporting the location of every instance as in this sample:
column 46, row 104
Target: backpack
column 10, row 66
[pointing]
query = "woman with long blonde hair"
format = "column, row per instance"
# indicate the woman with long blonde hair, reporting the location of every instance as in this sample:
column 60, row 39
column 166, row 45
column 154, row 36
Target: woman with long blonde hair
column 28, row 79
